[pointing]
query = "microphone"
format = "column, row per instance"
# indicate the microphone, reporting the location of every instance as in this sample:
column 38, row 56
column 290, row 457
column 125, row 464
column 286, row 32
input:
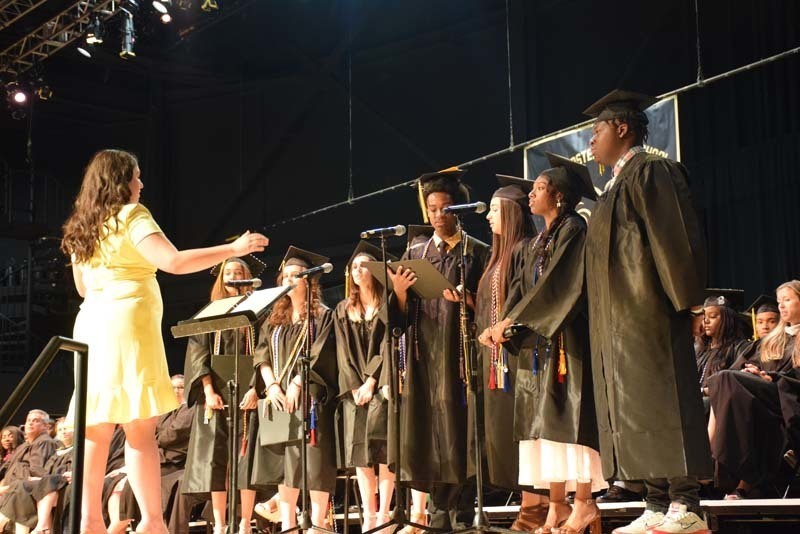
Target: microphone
column 384, row 232
column 324, row 268
column 255, row 283
column 459, row 209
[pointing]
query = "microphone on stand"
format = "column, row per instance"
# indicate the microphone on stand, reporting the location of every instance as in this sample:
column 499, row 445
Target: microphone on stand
column 460, row 209
column 324, row 268
column 255, row 283
column 384, row 232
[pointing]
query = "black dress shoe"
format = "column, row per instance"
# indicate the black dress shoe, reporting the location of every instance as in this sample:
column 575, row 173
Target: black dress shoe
column 619, row 494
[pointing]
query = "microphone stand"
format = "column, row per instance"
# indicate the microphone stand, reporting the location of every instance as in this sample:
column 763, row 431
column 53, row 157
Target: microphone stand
column 480, row 522
column 233, row 435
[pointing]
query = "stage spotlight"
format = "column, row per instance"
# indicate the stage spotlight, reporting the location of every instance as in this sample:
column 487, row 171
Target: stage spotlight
column 161, row 6
column 166, row 18
column 19, row 97
column 128, row 36
column 44, row 92
column 209, row 5
column 85, row 50
column 15, row 94
column 94, row 32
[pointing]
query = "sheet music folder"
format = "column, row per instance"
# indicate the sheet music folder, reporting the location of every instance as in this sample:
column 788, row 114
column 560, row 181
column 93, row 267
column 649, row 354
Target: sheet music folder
column 230, row 313
column 430, row 282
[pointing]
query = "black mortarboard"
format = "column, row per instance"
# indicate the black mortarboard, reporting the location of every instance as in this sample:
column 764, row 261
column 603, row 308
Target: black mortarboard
column 415, row 230
column 732, row 298
column 448, row 181
column 763, row 304
column 366, row 248
column 514, row 189
column 570, row 177
column 255, row 265
column 303, row 258
column 618, row 104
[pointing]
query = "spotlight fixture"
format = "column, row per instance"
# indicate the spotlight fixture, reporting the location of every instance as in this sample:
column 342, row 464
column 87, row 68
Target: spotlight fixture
column 209, row 5
column 85, row 50
column 17, row 100
column 44, row 92
column 166, row 18
column 94, row 32
column 128, row 36
column 161, row 6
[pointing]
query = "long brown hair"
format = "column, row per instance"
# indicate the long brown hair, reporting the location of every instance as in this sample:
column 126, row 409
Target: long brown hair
column 774, row 343
column 218, row 290
column 282, row 311
column 104, row 190
column 354, row 300
column 515, row 225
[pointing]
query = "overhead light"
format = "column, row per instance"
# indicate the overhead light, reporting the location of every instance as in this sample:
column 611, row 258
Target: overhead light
column 19, row 97
column 209, row 5
column 94, row 32
column 15, row 94
column 44, row 92
column 166, row 18
column 85, row 50
column 128, row 36
column 161, row 7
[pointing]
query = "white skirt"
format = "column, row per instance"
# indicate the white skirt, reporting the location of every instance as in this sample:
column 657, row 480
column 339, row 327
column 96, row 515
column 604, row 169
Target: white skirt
column 542, row 461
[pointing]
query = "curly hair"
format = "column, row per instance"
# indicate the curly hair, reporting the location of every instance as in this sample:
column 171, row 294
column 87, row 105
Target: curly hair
column 104, row 190
column 458, row 192
column 282, row 310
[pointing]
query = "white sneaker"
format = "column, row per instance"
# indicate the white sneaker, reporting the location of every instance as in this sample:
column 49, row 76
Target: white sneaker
column 641, row 524
column 680, row 519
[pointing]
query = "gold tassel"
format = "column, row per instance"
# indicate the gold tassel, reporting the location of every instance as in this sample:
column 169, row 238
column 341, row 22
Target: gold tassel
column 422, row 205
column 562, row 358
column 346, row 284
column 753, row 318
column 602, row 168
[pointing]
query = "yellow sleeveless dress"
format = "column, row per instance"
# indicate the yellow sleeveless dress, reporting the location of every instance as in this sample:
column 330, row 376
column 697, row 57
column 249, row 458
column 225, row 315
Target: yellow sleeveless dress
column 120, row 320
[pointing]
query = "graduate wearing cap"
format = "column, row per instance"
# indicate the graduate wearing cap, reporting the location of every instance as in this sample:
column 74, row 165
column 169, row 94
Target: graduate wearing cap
column 281, row 340
column 723, row 336
column 554, row 415
column 512, row 228
column 207, row 457
column 645, row 261
column 362, row 349
column 762, row 316
column 433, row 418
column 755, row 410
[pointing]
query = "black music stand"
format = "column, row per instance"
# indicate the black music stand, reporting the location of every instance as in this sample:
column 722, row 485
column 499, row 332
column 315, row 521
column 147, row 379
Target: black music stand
column 241, row 312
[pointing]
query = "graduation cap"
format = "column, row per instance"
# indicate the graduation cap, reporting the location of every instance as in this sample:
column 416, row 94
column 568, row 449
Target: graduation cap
column 303, row 258
column 514, row 189
column 415, row 230
column 731, row 298
column 253, row 264
column 570, row 177
column 763, row 304
column 447, row 181
column 619, row 104
column 364, row 248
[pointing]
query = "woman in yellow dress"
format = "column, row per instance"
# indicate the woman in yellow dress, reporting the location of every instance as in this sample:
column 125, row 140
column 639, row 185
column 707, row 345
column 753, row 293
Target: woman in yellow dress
column 116, row 247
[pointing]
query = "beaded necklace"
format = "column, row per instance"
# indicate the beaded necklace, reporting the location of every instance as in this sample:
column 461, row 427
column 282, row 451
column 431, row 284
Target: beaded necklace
column 498, row 373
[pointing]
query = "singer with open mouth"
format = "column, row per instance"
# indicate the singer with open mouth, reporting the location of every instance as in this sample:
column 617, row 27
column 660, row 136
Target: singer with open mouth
column 207, row 459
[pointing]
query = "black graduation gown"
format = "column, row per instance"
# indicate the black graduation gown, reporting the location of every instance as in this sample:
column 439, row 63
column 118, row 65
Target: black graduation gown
column 645, row 266
column 555, row 309
column 501, row 450
column 361, row 350
column 750, row 435
column 207, row 456
column 280, row 463
column 713, row 360
column 433, row 412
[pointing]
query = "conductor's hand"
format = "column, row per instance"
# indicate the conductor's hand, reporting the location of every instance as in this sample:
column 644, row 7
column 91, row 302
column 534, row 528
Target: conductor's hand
column 276, row 397
column 214, row 401
column 249, row 400
column 249, row 242
column 293, row 396
column 365, row 392
column 402, row 280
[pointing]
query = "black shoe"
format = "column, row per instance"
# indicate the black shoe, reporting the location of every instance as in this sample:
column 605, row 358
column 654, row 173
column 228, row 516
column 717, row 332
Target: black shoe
column 619, row 494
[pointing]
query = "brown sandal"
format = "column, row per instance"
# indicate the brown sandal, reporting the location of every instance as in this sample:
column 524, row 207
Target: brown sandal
column 530, row 518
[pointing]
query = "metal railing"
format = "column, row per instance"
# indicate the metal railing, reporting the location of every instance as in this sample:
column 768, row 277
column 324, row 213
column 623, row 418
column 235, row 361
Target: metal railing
column 24, row 388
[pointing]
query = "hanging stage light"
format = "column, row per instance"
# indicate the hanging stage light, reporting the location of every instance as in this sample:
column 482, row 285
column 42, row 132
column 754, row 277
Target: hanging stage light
column 161, row 6
column 94, row 32
column 166, row 18
column 209, row 5
column 128, row 36
column 85, row 50
column 17, row 99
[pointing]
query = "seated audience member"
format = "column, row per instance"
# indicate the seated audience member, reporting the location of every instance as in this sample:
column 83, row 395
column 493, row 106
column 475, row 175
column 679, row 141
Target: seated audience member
column 11, row 438
column 30, row 503
column 747, row 428
column 722, row 336
column 29, row 458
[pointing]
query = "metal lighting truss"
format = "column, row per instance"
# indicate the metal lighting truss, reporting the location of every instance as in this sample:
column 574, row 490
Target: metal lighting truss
column 55, row 34
column 13, row 10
